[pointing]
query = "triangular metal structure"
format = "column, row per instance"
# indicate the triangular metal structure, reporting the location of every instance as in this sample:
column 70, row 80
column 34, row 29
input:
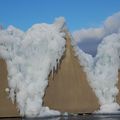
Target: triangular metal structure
column 68, row 89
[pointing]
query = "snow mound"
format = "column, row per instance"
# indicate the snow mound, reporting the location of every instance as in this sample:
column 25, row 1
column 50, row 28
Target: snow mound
column 102, row 71
column 30, row 57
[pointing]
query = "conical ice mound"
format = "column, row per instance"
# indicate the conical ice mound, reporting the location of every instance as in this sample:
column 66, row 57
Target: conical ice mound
column 68, row 90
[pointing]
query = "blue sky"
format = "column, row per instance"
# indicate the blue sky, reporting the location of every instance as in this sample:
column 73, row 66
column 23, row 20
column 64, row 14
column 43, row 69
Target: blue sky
column 78, row 13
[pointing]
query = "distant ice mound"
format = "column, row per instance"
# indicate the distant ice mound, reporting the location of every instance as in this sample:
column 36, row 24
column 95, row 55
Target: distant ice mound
column 102, row 71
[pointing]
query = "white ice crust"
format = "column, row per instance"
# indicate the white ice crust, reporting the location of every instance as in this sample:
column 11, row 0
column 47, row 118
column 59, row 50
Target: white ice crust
column 30, row 57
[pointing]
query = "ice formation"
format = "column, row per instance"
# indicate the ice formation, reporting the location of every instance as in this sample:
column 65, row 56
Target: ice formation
column 30, row 56
column 102, row 71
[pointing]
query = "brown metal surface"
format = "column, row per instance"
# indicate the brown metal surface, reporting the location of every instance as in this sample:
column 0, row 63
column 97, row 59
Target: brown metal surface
column 7, row 109
column 118, row 85
column 68, row 90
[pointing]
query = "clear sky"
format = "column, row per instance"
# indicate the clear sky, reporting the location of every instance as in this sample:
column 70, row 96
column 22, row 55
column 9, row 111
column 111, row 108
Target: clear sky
column 78, row 13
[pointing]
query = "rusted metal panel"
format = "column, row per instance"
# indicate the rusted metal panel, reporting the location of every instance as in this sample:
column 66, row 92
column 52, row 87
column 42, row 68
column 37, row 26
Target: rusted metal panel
column 68, row 90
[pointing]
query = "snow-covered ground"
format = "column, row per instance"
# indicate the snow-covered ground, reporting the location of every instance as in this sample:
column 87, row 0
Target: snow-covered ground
column 31, row 55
